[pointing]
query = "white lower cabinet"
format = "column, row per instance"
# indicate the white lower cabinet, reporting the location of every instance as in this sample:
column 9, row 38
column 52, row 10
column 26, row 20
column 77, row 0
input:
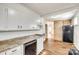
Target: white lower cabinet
column 14, row 51
column 19, row 50
column 39, row 45
column 2, row 53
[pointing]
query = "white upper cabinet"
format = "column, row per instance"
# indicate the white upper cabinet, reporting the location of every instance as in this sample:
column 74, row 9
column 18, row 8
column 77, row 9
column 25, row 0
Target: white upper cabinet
column 3, row 17
column 20, row 17
column 17, row 17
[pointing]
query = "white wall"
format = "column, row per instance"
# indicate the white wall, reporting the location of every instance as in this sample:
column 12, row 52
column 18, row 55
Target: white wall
column 76, row 36
column 76, row 30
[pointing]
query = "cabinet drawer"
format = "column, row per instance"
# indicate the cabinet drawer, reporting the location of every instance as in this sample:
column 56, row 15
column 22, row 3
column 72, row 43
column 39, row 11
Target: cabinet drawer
column 15, row 51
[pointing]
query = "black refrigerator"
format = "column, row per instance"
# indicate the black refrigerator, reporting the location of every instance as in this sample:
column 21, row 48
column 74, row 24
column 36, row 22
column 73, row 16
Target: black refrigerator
column 67, row 33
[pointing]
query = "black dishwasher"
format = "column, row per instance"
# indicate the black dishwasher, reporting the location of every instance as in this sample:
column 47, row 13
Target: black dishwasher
column 30, row 48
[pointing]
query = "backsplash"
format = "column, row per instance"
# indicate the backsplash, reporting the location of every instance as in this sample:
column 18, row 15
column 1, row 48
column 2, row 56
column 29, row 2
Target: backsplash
column 9, row 35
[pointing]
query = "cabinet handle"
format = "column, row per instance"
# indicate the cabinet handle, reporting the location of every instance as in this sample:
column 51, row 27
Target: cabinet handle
column 13, row 50
column 18, row 26
column 21, row 26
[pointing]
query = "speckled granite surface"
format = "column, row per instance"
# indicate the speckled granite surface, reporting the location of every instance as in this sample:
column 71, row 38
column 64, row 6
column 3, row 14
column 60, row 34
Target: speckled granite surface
column 9, row 44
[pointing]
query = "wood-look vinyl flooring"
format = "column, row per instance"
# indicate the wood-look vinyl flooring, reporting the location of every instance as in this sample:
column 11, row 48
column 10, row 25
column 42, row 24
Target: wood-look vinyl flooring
column 53, row 47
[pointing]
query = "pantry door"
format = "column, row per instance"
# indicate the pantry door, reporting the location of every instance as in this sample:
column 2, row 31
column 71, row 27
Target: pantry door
column 58, row 30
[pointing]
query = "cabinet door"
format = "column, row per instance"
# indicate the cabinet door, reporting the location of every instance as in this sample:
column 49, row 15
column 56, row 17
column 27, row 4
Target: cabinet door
column 25, row 19
column 13, row 18
column 58, row 30
column 28, row 19
column 3, row 19
column 16, row 19
column 39, row 45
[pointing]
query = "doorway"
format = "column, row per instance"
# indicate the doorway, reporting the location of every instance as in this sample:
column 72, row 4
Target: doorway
column 54, row 44
column 53, row 29
column 49, row 29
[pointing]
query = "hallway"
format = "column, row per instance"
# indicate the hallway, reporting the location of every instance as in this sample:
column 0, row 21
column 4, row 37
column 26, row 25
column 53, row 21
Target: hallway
column 56, row 48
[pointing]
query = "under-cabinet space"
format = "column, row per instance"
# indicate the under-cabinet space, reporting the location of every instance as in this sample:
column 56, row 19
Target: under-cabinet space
column 30, row 48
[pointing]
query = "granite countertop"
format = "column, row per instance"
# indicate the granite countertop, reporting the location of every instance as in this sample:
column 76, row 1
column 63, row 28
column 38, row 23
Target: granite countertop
column 11, row 43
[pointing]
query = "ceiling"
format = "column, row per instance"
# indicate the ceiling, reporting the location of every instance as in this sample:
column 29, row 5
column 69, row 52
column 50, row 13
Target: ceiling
column 47, row 8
